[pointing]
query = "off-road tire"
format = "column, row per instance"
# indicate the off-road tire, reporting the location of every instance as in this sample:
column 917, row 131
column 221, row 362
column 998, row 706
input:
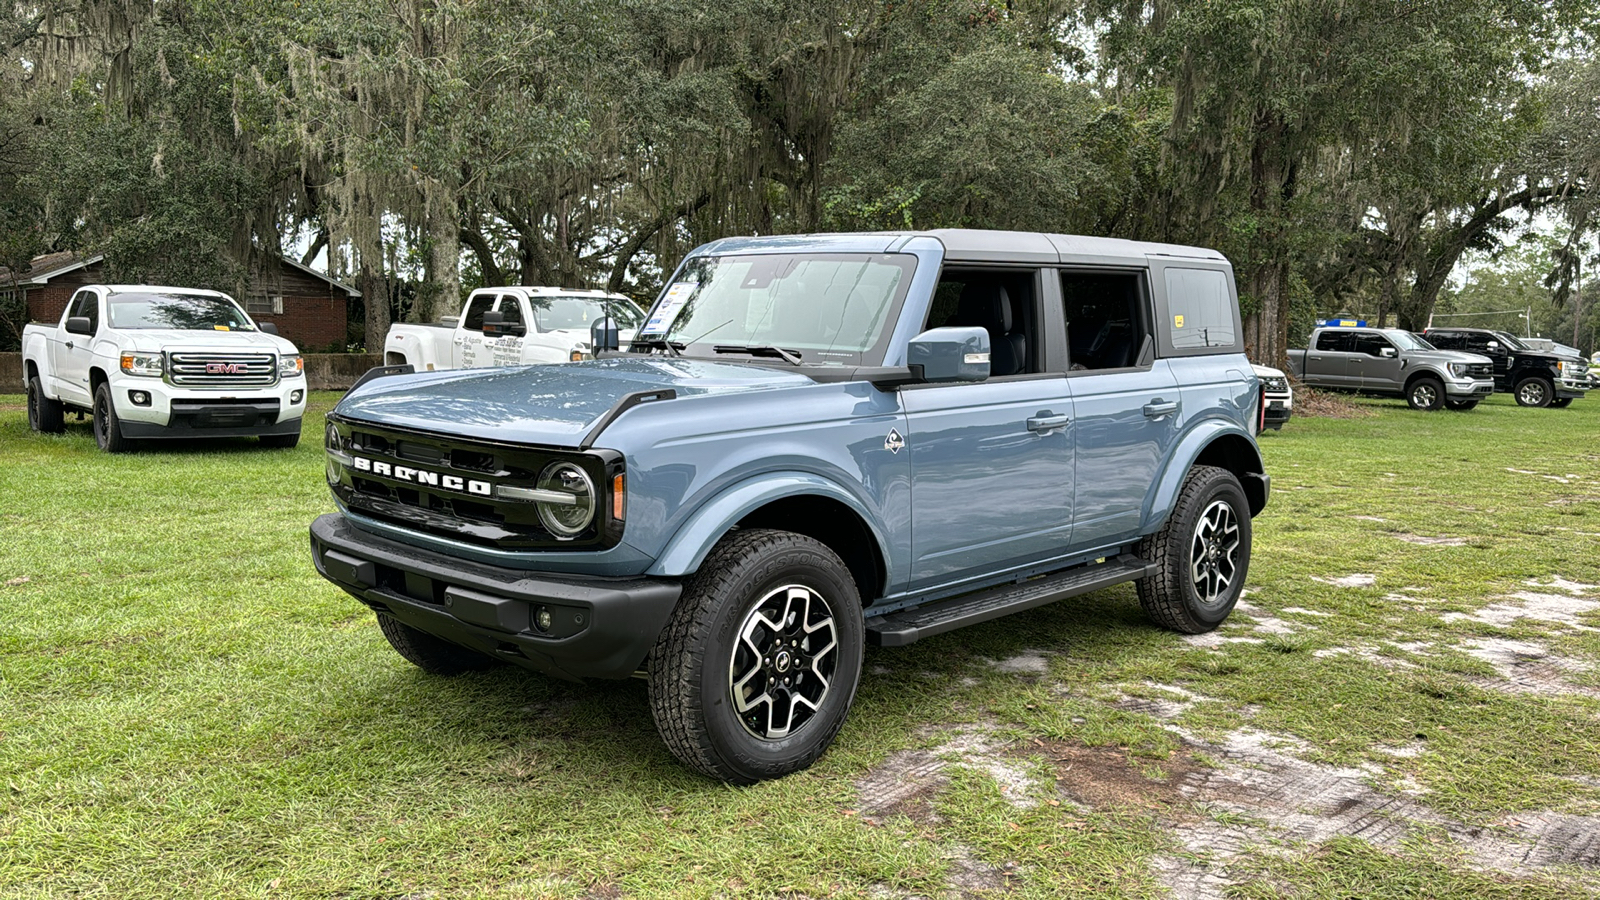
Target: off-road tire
column 1461, row 405
column 430, row 654
column 107, row 427
column 1561, row 403
column 280, row 441
column 692, row 666
column 1170, row 597
column 1425, row 394
column 44, row 415
column 1534, row 391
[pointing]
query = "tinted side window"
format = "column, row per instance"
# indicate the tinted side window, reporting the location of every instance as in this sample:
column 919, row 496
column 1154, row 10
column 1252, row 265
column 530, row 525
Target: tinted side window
column 1478, row 343
column 1371, row 344
column 87, row 305
column 511, row 308
column 1104, row 327
column 1334, row 341
column 1000, row 302
column 1443, row 340
column 476, row 307
column 1200, row 309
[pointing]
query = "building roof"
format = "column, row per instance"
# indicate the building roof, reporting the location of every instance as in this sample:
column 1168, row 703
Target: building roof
column 43, row 268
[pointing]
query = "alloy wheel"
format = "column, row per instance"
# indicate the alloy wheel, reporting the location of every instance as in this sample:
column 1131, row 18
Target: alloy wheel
column 1531, row 393
column 1213, row 554
column 1423, row 396
column 783, row 662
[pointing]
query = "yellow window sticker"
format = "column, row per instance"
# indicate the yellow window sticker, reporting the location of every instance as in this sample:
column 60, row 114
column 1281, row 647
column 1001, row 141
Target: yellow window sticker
column 220, row 327
column 1177, row 321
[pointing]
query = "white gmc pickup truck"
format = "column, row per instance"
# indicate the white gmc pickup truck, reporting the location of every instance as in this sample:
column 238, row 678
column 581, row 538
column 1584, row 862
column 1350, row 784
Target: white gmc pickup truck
column 163, row 362
column 511, row 326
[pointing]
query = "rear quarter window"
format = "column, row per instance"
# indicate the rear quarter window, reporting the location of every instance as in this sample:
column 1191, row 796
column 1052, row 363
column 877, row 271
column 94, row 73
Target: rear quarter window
column 1201, row 315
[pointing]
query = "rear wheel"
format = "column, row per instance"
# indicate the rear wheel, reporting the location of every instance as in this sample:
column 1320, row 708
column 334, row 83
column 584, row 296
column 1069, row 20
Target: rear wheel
column 1426, row 394
column 1461, row 405
column 1534, row 391
column 1202, row 554
column 755, row 672
column 107, row 427
column 1561, row 402
column 44, row 414
column 431, row 654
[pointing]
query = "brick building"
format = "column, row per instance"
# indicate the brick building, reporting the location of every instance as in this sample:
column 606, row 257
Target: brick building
column 308, row 307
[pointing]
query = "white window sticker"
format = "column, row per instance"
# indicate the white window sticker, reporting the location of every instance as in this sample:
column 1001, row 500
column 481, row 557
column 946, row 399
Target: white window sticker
column 671, row 305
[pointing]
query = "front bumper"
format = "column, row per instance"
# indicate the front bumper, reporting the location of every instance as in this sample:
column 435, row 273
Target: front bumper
column 1278, row 412
column 600, row 627
column 1467, row 388
column 178, row 412
column 1569, row 389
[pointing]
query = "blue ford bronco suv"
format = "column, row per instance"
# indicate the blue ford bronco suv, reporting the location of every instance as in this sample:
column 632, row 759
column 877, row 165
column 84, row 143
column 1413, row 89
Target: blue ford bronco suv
column 814, row 442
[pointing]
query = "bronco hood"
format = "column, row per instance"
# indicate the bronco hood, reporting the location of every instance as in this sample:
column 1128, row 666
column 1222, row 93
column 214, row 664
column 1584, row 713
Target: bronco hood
column 553, row 406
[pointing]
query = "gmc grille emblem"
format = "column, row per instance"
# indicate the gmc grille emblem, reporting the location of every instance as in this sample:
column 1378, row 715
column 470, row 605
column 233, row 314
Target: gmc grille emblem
column 226, row 369
column 423, row 476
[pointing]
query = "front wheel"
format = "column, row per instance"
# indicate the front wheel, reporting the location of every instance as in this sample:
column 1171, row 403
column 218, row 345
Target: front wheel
column 756, row 670
column 1461, row 405
column 44, row 415
column 1561, row 403
column 1426, row 394
column 107, row 427
column 1534, row 391
column 1201, row 554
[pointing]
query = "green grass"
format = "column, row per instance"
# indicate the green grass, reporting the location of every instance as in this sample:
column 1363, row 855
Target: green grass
column 187, row 710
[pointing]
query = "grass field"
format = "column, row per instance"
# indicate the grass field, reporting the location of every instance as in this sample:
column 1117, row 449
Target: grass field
column 1406, row 705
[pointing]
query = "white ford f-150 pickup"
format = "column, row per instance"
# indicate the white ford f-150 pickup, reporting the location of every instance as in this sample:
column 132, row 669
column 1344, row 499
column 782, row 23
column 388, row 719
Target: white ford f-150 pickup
column 511, row 326
column 163, row 362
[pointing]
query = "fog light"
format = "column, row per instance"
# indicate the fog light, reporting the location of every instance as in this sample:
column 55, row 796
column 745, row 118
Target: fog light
column 139, row 398
column 542, row 619
column 295, row 396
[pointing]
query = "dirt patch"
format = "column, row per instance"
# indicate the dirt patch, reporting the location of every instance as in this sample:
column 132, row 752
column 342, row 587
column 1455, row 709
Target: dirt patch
column 1323, row 405
column 908, row 780
column 1359, row 579
column 1528, row 668
column 1561, row 609
column 1104, row 776
column 1431, row 541
column 1028, row 662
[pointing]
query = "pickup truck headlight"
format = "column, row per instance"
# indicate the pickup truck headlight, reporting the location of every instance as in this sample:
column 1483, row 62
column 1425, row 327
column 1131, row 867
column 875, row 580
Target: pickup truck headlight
column 149, row 364
column 290, row 365
column 1459, row 370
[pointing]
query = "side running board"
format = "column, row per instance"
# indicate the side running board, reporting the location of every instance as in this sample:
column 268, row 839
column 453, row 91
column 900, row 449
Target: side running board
column 909, row 625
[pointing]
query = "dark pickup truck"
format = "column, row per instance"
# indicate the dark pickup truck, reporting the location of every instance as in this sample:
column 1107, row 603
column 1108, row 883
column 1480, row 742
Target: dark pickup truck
column 1534, row 377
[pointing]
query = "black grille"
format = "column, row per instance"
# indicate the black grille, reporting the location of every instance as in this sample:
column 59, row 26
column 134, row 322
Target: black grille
column 1481, row 370
column 458, row 501
column 222, row 369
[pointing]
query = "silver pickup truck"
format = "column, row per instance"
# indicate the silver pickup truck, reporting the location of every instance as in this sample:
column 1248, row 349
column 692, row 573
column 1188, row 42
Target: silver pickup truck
column 1392, row 362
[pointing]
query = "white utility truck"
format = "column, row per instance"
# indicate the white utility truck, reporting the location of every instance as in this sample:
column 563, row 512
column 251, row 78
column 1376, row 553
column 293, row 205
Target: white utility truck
column 511, row 326
column 162, row 362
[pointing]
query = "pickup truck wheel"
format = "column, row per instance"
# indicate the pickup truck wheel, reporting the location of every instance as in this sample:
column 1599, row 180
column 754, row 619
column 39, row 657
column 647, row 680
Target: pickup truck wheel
column 107, row 428
column 431, row 654
column 1426, row 394
column 280, row 441
column 1561, row 403
column 756, row 670
column 1534, row 391
column 1202, row 554
column 44, row 414
column 1461, row 405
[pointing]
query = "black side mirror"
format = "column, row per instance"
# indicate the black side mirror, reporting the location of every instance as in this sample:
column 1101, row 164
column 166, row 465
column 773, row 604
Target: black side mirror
column 80, row 325
column 494, row 323
column 268, row 328
column 605, row 335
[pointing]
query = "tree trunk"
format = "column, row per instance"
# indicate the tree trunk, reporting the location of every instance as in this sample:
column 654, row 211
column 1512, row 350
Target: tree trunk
column 367, row 235
column 1272, row 186
column 441, row 295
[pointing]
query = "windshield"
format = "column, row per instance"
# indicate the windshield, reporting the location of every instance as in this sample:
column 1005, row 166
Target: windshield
column 578, row 313
column 1405, row 340
column 185, row 312
column 828, row 308
column 1510, row 341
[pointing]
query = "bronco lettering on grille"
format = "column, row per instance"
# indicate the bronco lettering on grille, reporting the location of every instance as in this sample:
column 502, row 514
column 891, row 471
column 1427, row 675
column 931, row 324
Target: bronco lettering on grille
column 424, row 477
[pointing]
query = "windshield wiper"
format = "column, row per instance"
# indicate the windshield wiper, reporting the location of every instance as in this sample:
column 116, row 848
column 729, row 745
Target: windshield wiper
column 788, row 356
column 673, row 347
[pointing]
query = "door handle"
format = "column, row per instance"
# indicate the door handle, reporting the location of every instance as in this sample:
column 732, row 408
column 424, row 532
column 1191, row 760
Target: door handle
column 1048, row 422
column 1157, row 408
column 69, row 345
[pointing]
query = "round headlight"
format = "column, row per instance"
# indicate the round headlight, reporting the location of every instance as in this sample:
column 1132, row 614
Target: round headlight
column 564, row 519
column 333, row 437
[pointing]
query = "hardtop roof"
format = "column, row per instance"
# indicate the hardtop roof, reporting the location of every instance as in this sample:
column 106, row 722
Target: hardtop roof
column 973, row 245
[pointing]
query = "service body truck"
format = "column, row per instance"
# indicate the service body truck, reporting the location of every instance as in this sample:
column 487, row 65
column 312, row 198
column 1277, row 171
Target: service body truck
column 511, row 326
